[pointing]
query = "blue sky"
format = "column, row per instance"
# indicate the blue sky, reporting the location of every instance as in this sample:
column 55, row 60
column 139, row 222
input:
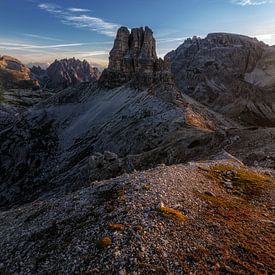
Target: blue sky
column 41, row 31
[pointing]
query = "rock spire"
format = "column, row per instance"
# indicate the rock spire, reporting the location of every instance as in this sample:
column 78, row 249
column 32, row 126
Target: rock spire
column 134, row 59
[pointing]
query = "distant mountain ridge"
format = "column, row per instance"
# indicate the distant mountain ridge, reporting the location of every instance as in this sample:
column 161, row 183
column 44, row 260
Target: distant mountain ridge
column 42, row 65
column 66, row 72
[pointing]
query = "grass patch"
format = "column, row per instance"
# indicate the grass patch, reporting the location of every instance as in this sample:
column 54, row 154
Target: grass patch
column 217, row 201
column 250, row 183
column 172, row 214
column 116, row 226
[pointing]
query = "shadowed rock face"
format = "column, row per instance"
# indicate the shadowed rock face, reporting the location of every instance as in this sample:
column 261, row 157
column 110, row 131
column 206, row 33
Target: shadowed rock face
column 219, row 71
column 134, row 58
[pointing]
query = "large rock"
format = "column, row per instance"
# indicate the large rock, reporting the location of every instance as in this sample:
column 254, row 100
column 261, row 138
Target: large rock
column 219, row 71
column 133, row 58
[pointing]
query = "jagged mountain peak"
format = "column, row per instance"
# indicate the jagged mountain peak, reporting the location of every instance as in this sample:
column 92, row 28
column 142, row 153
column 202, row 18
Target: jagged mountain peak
column 67, row 72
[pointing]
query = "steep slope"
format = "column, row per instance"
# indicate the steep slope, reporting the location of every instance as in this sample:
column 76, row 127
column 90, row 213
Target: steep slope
column 221, row 71
column 79, row 125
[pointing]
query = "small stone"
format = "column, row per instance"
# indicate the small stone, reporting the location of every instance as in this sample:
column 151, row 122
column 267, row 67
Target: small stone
column 160, row 205
column 122, row 272
column 117, row 253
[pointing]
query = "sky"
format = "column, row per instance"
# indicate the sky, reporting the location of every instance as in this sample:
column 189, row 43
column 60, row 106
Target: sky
column 37, row 31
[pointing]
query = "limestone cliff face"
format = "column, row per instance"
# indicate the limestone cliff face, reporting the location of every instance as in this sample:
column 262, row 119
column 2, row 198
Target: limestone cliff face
column 133, row 58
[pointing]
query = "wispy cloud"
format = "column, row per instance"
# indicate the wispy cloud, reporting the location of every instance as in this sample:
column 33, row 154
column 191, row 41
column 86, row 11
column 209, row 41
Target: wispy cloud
column 78, row 10
column 52, row 8
column 83, row 21
column 251, row 2
column 40, row 37
column 23, row 47
column 92, row 23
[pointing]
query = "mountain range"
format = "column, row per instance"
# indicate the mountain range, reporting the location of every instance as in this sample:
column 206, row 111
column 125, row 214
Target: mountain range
column 154, row 166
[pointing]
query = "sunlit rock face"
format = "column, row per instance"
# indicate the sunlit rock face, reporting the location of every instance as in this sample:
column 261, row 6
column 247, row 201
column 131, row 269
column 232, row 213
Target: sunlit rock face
column 133, row 58
column 14, row 74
